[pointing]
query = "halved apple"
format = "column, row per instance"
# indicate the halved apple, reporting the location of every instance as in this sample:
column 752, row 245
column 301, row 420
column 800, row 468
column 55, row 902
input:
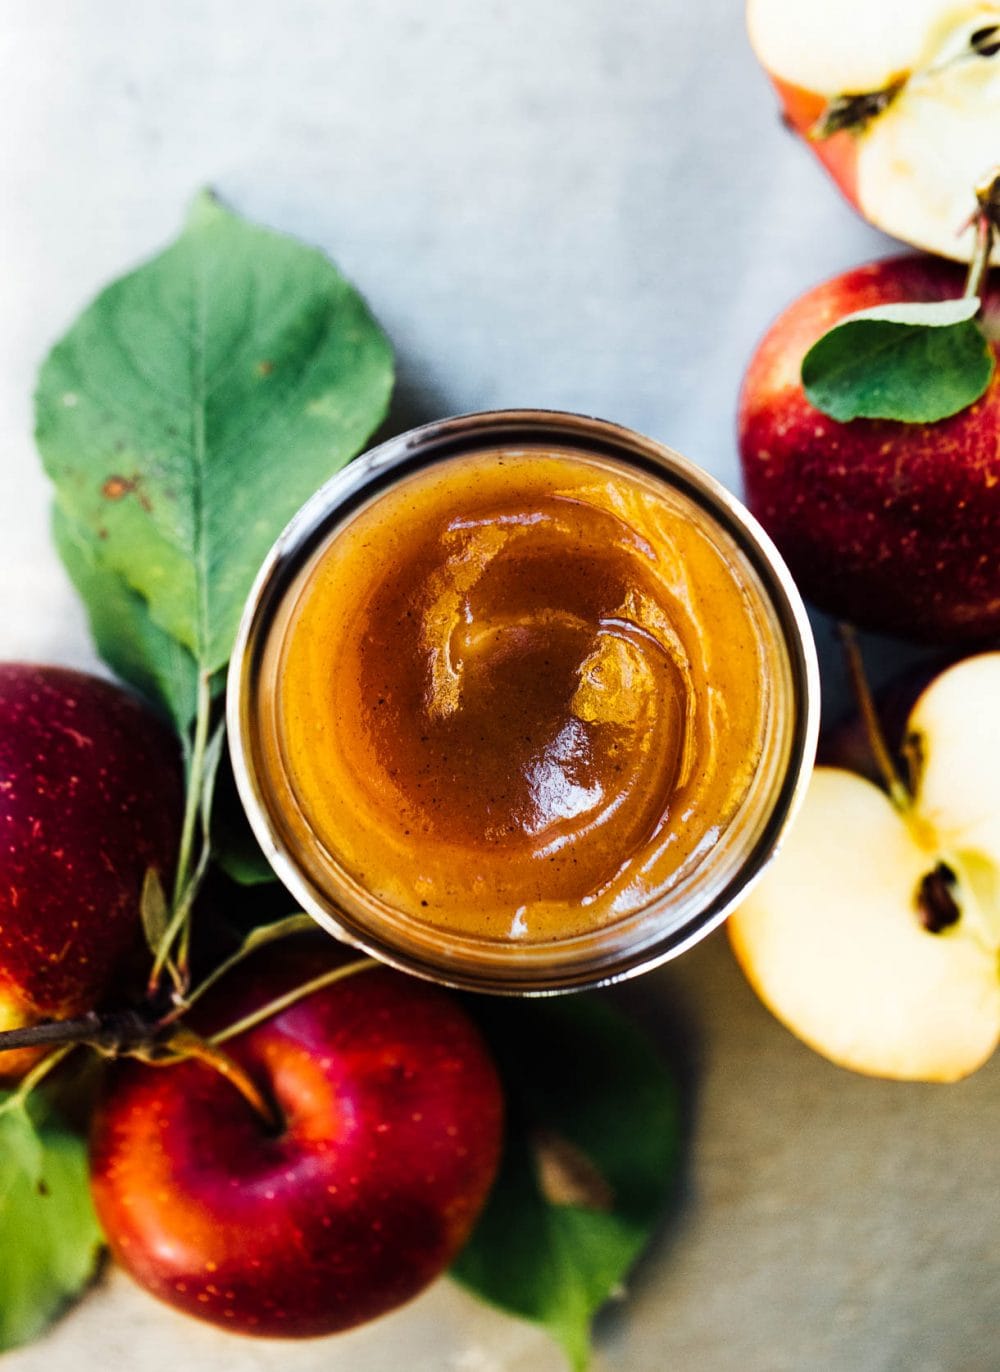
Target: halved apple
column 875, row 936
column 900, row 99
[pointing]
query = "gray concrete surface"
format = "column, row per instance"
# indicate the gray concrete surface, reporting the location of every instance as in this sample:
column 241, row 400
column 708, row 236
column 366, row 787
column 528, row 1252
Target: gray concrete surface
column 586, row 204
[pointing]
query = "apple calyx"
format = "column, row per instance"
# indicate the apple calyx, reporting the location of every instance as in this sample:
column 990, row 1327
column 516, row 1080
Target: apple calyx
column 854, row 112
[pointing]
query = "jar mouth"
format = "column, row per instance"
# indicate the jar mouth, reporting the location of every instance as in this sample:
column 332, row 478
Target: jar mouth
column 610, row 951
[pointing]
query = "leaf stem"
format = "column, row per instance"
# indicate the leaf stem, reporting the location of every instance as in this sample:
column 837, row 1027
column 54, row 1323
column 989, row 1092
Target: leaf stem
column 35, row 1077
column 275, row 1007
column 899, row 792
column 186, row 882
column 192, row 800
column 269, row 933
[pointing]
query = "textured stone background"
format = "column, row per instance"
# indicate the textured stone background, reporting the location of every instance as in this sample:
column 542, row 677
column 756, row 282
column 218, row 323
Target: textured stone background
column 575, row 203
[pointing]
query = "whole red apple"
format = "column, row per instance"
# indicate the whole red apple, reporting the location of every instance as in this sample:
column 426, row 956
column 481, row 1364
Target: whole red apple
column 892, row 526
column 391, row 1122
column 90, row 797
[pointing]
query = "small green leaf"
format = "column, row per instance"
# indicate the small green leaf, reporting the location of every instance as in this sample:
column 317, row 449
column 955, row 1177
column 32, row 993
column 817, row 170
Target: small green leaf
column 912, row 362
column 197, row 403
column 49, row 1239
column 125, row 635
column 590, row 1157
column 239, row 855
column 279, row 929
column 153, row 910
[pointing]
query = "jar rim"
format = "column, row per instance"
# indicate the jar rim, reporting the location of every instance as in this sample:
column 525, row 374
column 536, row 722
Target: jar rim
column 360, row 482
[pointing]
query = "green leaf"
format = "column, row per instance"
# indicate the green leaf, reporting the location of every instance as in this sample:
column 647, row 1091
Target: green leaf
column 591, row 1152
column 913, row 362
column 49, row 1239
column 153, row 910
column 197, row 403
column 20, row 1146
column 125, row 635
column 239, row 855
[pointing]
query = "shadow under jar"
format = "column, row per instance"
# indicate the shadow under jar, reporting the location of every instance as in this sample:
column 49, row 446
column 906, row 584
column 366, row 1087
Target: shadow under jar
column 522, row 702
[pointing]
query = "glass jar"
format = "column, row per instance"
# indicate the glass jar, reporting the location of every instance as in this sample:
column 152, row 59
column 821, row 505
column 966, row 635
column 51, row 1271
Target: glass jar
column 708, row 888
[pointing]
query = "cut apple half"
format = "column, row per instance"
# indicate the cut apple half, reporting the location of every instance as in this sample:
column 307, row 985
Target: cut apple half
column 875, row 934
column 914, row 90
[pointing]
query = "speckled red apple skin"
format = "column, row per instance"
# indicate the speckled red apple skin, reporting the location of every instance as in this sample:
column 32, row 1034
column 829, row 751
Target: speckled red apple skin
column 90, row 796
column 393, row 1117
column 895, row 527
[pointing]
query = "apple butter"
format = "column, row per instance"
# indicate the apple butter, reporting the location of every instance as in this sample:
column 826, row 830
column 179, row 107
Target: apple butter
column 521, row 694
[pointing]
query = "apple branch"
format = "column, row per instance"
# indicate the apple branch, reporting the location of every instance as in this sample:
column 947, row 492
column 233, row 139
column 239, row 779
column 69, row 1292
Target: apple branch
column 109, row 1033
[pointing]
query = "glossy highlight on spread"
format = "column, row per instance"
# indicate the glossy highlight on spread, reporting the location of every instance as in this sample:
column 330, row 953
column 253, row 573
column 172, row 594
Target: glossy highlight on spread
column 520, row 695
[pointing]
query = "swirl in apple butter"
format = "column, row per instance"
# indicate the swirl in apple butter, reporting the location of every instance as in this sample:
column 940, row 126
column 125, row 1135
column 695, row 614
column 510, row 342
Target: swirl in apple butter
column 520, row 695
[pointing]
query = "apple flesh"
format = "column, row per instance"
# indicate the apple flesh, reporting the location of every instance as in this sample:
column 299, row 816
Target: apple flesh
column 893, row 526
column 90, row 797
column 932, row 69
column 875, row 935
column 391, row 1125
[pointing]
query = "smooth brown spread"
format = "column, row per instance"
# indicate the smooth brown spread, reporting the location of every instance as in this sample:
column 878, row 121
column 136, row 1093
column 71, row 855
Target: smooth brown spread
column 520, row 694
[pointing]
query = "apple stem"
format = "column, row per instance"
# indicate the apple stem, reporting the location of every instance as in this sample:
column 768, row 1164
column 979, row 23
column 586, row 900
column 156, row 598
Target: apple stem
column 985, row 219
column 899, row 792
column 275, row 1007
column 185, row 1043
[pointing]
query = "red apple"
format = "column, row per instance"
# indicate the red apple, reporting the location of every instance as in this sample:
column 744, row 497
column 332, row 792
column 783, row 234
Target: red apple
column 90, row 797
column 390, row 1139
column 918, row 82
column 892, row 526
